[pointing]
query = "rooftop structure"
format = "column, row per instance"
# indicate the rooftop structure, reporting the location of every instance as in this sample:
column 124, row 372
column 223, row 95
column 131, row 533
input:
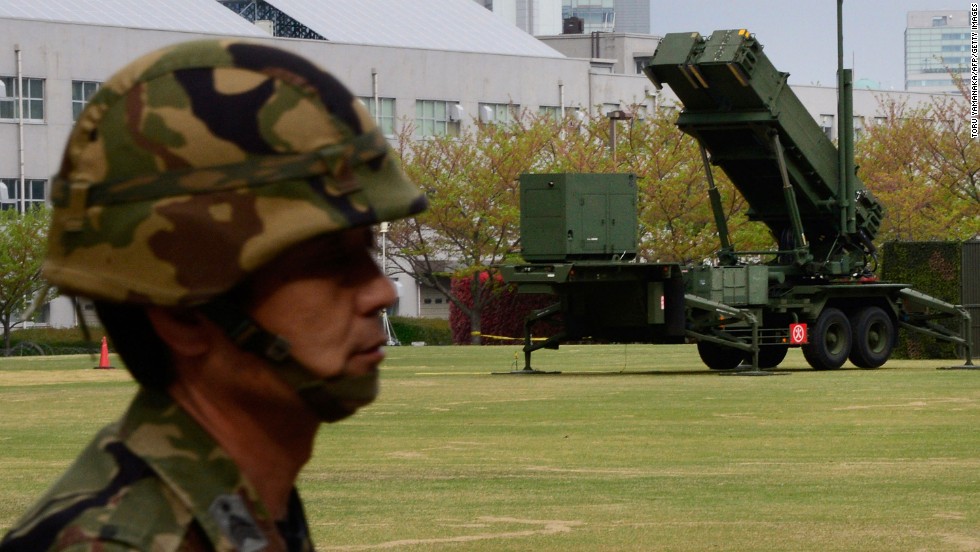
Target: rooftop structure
column 172, row 15
column 447, row 25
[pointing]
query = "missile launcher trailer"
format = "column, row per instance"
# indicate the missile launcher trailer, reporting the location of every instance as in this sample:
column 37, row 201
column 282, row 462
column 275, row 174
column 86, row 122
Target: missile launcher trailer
column 817, row 290
column 579, row 236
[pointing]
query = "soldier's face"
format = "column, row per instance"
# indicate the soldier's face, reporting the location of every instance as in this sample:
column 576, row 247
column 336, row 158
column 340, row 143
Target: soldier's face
column 324, row 297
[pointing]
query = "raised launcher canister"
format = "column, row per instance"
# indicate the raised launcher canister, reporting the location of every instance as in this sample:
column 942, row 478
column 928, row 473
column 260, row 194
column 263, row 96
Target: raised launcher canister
column 743, row 113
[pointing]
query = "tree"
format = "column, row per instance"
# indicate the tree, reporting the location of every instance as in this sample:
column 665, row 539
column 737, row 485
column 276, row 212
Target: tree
column 675, row 216
column 22, row 247
column 923, row 167
column 473, row 218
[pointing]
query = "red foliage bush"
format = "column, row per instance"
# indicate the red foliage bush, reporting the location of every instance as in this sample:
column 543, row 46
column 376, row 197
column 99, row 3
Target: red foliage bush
column 503, row 313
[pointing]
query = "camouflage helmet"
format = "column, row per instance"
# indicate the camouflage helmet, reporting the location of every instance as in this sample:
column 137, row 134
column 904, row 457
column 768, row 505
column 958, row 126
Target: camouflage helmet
column 198, row 163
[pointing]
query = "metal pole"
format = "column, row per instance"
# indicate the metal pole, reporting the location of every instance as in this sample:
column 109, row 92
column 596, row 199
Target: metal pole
column 389, row 331
column 843, row 197
column 612, row 137
column 376, row 98
column 727, row 254
column 561, row 99
column 20, row 129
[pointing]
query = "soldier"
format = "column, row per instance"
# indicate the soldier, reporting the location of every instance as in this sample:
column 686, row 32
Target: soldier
column 215, row 201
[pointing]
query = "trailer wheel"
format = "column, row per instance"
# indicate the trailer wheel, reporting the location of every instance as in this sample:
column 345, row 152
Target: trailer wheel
column 771, row 355
column 719, row 357
column 873, row 337
column 830, row 341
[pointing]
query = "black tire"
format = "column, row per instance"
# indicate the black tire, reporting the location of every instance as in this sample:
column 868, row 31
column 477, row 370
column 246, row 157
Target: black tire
column 771, row 355
column 872, row 336
column 830, row 341
column 719, row 357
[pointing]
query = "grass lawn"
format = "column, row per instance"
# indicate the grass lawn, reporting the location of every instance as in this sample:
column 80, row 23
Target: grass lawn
column 630, row 448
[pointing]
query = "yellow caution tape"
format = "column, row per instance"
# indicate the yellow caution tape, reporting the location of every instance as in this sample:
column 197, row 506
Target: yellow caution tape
column 503, row 338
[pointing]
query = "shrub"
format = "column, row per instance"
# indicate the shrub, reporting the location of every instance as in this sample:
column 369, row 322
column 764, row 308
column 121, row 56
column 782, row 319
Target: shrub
column 502, row 319
column 932, row 268
column 432, row 331
column 53, row 341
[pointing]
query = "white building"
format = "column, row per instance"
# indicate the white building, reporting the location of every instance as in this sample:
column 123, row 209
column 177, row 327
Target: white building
column 437, row 65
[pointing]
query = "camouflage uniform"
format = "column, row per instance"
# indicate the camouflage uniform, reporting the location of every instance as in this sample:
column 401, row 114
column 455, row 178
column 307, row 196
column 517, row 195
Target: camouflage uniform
column 190, row 169
column 153, row 481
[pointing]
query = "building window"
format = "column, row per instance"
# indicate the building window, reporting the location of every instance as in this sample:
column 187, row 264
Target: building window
column 940, row 21
column 827, row 125
column 499, row 113
column 596, row 15
column 640, row 63
column 552, row 112
column 858, row 127
column 437, row 118
column 608, row 108
column 386, row 117
column 32, row 100
column 81, row 91
column 641, row 111
column 34, row 193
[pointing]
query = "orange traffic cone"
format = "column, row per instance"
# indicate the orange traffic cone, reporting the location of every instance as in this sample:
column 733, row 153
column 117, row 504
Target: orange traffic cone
column 104, row 357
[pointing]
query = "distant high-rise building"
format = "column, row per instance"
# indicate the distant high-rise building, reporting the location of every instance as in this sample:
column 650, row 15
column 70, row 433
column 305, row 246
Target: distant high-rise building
column 621, row 16
column 535, row 17
column 547, row 17
column 632, row 16
column 937, row 46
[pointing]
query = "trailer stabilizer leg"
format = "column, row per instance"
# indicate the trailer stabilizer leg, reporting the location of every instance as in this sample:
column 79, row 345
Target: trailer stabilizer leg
column 530, row 346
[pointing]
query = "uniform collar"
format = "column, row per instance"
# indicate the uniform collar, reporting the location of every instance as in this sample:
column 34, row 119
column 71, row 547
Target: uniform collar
column 199, row 473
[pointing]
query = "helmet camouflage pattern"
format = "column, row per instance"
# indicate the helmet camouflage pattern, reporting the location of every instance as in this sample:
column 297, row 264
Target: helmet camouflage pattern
column 199, row 163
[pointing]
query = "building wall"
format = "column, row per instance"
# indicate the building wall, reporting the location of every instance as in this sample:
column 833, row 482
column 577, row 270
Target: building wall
column 621, row 49
column 821, row 103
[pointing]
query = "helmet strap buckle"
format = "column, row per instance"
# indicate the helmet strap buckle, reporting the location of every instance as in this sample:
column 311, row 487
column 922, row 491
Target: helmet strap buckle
column 77, row 201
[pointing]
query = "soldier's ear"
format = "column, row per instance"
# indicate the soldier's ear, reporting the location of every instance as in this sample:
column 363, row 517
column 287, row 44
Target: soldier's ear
column 185, row 331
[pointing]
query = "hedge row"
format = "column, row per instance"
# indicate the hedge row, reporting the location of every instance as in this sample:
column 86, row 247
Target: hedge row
column 933, row 268
column 431, row 331
column 66, row 341
column 52, row 341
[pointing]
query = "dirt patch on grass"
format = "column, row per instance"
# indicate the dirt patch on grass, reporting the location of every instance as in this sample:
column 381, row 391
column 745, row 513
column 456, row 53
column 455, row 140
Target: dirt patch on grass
column 965, row 543
column 20, row 378
column 912, row 404
column 538, row 528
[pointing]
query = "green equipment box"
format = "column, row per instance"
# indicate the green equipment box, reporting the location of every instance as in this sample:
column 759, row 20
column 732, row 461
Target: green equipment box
column 578, row 217
column 733, row 285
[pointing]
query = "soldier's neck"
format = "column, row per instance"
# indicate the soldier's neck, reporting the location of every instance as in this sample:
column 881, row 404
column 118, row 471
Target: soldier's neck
column 270, row 440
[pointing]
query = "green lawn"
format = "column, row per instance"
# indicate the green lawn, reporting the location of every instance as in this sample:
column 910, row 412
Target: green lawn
column 630, row 448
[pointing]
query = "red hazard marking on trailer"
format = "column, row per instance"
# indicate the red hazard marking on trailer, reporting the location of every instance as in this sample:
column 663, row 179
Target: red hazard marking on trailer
column 797, row 334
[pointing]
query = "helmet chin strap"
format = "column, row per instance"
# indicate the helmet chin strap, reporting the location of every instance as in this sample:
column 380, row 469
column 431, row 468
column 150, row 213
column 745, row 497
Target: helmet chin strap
column 327, row 397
